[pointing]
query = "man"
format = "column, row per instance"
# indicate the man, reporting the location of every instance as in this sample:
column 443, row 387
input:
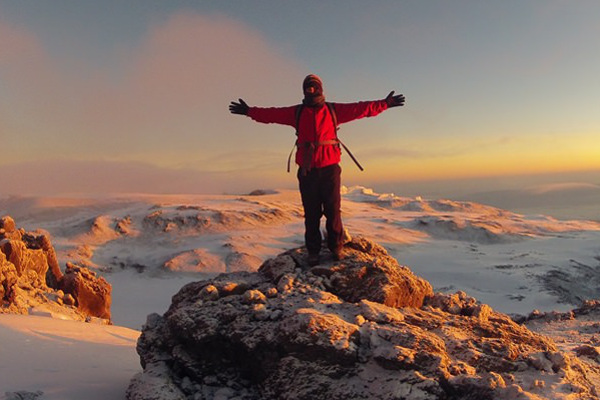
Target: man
column 318, row 155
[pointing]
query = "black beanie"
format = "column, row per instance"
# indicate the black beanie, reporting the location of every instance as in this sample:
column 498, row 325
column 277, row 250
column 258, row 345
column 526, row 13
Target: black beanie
column 312, row 79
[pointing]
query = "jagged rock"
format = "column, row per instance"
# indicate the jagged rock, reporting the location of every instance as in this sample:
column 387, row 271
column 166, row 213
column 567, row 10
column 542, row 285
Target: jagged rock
column 25, row 259
column 236, row 336
column 8, row 229
column 8, row 279
column 123, row 226
column 151, row 385
column 198, row 220
column 576, row 336
column 31, row 280
column 92, row 293
column 275, row 268
column 368, row 272
column 42, row 242
column 7, row 224
column 460, row 304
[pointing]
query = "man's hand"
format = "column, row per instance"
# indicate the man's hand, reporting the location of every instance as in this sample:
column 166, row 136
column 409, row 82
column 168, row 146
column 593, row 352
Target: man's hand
column 394, row 101
column 239, row 108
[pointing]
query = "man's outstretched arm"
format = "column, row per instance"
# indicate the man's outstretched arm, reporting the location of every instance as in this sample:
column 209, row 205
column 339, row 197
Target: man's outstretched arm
column 347, row 112
column 270, row 115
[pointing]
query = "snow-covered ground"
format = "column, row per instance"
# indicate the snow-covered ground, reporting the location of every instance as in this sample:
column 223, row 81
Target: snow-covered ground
column 147, row 247
column 66, row 359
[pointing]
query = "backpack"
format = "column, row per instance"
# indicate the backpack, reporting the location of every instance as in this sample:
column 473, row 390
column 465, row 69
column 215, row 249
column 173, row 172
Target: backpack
column 314, row 145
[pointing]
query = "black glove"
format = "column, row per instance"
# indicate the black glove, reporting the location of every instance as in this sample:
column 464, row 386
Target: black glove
column 394, row 101
column 239, row 108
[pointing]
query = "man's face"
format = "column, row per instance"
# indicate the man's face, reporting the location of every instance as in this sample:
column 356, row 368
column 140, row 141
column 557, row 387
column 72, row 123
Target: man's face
column 312, row 88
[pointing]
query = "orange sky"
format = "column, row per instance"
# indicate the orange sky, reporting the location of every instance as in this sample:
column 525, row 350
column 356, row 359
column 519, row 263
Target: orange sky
column 491, row 89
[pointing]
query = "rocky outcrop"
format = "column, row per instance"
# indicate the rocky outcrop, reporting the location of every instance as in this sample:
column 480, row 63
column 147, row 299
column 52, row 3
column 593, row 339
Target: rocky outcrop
column 361, row 328
column 368, row 273
column 42, row 242
column 91, row 292
column 199, row 220
column 31, row 280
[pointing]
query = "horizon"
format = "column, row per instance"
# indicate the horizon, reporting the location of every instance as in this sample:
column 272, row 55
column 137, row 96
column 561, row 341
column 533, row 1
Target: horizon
column 102, row 97
column 568, row 195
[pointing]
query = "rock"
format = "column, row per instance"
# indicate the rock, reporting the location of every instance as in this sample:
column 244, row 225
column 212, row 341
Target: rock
column 123, row 226
column 460, row 304
column 549, row 316
column 69, row 300
column 24, row 395
column 311, row 339
column 25, row 259
column 92, row 293
column 239, row 261
column 31, row 280
column 261, row 192
column 152, row 386
column 275, row 268
column 7, row 224
column 380, row 313
column 254, row 297
column 32, row 252
column 588, row 351
column 588, row 307
column 368, row 272
column 209, row 292
column 42, row 242
column 197, row 260
column 286, row 283
column 8, row 279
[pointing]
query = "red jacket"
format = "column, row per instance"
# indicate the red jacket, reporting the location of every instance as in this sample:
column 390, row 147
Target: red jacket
column 316, row 125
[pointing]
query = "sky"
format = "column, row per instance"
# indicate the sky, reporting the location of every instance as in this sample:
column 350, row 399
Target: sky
column 133, row 96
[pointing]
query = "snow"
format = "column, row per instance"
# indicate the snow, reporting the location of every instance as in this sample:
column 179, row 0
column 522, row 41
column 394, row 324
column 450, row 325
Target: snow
column 66, row 359
column 149, row 246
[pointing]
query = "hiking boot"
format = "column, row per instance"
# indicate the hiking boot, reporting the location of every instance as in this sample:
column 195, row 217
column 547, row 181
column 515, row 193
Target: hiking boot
column 313, row 259
column 337, row 255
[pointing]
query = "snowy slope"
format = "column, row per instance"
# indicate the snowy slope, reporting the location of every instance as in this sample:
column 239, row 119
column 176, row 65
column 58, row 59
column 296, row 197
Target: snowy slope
column 150, row 246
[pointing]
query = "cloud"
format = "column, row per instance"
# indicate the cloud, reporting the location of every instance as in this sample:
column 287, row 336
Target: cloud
column 439, row 149
column 394, row 153
column 178, row 83
column 100, row 177
column 20, row 50
column 161, row 100
column 28, row 83
column 570, row 188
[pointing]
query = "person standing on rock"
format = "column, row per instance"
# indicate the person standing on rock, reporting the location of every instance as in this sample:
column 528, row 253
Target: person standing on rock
column 318, row 155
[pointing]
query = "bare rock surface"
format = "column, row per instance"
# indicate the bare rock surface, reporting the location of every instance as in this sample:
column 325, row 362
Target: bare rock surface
column 91, row 292
column 31, row 281
column 361, row 328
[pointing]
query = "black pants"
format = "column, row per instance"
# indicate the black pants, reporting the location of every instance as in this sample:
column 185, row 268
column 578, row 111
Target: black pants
column 320, row 191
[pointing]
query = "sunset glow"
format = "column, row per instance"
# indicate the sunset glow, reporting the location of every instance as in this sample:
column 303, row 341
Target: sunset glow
column 503, row 89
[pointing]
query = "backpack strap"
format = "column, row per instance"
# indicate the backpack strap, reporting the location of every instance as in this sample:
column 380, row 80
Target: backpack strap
column 334, row 118
column 333, row 114
column 298, row 112
column 351, row 155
